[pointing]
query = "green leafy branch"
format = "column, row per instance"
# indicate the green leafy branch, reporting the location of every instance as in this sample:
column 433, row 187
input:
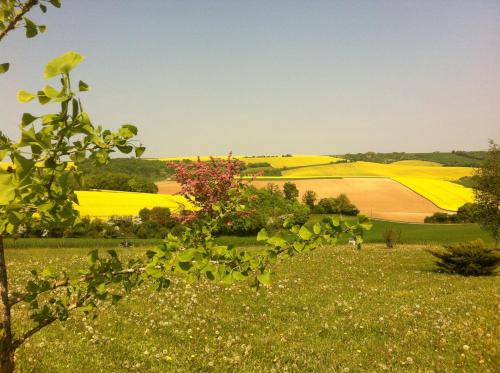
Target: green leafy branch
column 13, row 15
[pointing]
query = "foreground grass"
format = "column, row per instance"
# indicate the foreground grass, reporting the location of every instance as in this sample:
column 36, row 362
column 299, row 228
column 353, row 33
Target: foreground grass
column 336, row 309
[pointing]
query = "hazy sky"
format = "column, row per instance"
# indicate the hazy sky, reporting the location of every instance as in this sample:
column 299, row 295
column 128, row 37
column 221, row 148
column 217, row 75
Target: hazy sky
column 272, row 77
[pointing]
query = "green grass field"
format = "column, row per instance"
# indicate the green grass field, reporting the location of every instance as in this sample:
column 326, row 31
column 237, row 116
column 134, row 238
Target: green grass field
column 411, row 234
column 336, row 309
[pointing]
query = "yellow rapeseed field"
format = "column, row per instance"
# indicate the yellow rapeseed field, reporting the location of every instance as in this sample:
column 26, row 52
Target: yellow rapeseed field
column 444, row 194
column 103, row 203
column 392, row 170
column 294, row 161
column 277, row 162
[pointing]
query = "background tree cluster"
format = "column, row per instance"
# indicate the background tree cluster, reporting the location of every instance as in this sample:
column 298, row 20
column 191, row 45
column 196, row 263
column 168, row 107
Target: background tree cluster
column 125, row 174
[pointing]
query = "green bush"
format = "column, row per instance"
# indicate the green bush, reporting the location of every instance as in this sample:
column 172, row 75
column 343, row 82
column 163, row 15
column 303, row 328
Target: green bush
column 258, row 165
column 391, row 236
column 467, row 259
column 265, row 208
column 340, row 205
column 464, row 214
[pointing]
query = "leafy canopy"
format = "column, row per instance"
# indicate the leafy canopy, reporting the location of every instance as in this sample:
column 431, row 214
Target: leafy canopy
column 43, row 175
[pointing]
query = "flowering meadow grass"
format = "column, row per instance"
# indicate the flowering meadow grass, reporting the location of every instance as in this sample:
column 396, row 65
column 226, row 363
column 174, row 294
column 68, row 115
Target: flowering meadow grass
column 333, row 310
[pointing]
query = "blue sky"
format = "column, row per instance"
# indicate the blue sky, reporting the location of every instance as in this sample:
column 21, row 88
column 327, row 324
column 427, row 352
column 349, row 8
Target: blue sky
column 273, row 77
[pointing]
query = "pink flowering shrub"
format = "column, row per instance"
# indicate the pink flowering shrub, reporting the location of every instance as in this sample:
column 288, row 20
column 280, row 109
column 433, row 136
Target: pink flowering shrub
column 208, row 184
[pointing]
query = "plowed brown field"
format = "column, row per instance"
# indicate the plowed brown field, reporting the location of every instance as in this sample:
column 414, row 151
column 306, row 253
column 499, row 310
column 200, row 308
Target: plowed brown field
column 375, row 197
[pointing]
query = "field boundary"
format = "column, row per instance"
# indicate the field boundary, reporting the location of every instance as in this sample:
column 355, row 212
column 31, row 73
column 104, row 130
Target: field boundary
column 421, row 195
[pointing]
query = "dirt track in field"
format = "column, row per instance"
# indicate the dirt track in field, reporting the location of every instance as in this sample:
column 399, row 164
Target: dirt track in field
column 375, row 197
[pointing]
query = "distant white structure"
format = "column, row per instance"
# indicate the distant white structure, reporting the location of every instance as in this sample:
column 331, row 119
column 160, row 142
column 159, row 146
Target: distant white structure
column 352, row 241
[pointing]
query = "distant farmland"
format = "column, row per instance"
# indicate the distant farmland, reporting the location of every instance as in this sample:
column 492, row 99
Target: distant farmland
column 379, row 198
column 275, row 161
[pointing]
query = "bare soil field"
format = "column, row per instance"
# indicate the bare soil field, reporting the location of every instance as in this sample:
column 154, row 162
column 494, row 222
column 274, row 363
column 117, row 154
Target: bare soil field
column 375, row 197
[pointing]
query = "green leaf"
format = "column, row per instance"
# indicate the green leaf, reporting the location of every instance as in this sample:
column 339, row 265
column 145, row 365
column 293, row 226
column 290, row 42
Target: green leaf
column 262, row 235
column 335, row 221
column 125, row 148
column 42, row 98
column 317, row 228
column 277, row 241
column 127, row 131
column 42, row 28
column 220, row 250
column 78, row 156
column 152, row 271
column 43, row 8
column 92, row 256
column 238, row 276
column 366, row 226
column 56, row 3
column 27, row 119
column 62, row 64
column 186, row 255
column 25, row 96
column 299, row 246
column 4, row 67
column 87, row 308
column 51, row 91
column 139, row 151
column 264, row 278
column 82, row 86
column 305, row 233
column 7, row 188
column 31, row 29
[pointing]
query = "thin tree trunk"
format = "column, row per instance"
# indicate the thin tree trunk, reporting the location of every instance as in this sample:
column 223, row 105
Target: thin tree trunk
column 6, row 351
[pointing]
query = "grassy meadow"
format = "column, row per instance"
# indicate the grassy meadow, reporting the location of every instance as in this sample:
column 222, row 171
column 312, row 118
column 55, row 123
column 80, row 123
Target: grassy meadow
column 335, row 309
column 411, row 234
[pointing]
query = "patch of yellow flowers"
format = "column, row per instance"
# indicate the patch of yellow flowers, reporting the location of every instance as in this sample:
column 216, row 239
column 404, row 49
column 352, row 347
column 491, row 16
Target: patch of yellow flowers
column 105, row 203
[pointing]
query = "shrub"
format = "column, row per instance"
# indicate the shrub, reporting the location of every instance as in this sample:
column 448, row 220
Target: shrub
column 391, row 236
column 340, row 205
column 441, row 218
column 157, row 223
column 265, row 208
column 467, row 259
column 257, row 164
column 464, row 214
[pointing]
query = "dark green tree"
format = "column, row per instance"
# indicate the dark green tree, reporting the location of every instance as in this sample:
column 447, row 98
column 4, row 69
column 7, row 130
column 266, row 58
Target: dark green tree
column 309, row 198
column 486, row 187
column 290, row 191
